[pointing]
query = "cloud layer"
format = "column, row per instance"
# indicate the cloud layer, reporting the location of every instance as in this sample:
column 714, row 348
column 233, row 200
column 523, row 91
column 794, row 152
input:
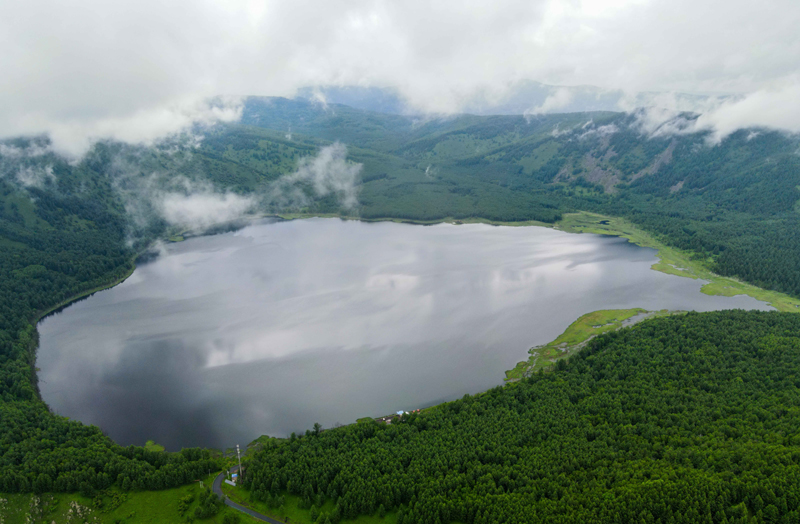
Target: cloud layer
column 203, row 209
column 327, row 173
column 139, row 70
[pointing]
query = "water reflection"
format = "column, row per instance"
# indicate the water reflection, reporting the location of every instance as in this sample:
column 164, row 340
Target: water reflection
column 280, row 325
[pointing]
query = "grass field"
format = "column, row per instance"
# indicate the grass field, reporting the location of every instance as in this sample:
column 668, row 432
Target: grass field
column 111, row 507
column 674, row 261
column 152, row 446
column 576, row 335
column 291, row 512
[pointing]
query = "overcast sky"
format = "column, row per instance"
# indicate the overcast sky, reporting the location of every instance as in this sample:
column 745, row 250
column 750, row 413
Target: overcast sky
column 136, row 70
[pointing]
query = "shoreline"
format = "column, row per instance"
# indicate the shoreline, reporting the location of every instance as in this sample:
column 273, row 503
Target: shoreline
column 39, row 316
column 670, row 261
column 577, row 335
column 83, row 295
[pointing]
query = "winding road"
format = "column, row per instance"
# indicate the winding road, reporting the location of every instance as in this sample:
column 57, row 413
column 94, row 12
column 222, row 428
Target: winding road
column 217, row 488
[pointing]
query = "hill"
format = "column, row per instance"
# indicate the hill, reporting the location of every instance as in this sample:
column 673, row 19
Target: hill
column 68, row 228
column 681, row 419
column 734, row 204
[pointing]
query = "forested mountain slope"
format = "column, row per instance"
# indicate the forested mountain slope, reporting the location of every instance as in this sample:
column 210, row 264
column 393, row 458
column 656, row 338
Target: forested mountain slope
column 735, row 203
column 66, row 229
column 69, row 227
column 691, row 418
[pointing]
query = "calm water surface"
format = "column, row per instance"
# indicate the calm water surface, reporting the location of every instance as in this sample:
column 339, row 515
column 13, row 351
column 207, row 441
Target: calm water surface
column 279, row 325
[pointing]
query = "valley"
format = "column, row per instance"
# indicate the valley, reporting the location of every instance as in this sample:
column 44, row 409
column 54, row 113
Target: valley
column 79, row 231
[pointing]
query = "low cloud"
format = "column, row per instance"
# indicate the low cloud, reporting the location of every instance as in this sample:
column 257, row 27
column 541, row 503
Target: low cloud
column 201, row 210
column 775, row 109
column 318, row 97
column 21, row 164
column 327, row 173
column 31, row 149
column 590, row 130
column 669, row 113
column 196, row 204
column 73, row 137
column 553, row 103
column 155, row 198
column 35, row 176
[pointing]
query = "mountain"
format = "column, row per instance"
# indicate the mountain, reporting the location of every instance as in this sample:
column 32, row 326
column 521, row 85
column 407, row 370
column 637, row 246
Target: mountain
column 519, row 98
column 68, row 228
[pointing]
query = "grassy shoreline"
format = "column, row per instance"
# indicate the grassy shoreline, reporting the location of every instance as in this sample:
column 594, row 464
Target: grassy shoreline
column 445, row 220
column 577, row 334
column 292, row 510
column 674, row 261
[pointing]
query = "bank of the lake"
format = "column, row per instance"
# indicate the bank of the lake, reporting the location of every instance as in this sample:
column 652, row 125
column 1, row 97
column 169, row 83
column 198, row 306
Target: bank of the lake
column 282, row 324
column 672, row 260
column 575, row 337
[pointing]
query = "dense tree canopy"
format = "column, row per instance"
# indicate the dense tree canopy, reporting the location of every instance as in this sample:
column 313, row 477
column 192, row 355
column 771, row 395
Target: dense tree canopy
column 54, row 245
column 691, row 418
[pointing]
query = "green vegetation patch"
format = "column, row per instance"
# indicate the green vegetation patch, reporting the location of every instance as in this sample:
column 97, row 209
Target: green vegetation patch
column 152, row 446
column 292, row 508
column 674, row 261
column 575, row 337
column 539, row 157
column 190, row 503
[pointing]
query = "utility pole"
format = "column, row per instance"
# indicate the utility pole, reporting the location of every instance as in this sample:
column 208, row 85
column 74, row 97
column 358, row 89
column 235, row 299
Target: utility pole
column 239, row 456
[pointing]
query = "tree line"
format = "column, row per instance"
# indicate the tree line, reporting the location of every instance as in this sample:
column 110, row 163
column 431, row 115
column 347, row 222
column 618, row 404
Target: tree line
column 690, row 418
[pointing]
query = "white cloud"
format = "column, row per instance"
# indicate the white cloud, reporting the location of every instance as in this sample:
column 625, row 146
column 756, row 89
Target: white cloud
column 136, row 70
column 602, row 131
column 35, row 176
column 778, row 109
column 666, row 113
column 201, row 210
column 32, row 149
column 328, row 172
column 558, row 100
column 74, row 136
column 186, row 202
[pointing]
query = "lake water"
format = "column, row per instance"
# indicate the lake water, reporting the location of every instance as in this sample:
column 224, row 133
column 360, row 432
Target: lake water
column 279, row 325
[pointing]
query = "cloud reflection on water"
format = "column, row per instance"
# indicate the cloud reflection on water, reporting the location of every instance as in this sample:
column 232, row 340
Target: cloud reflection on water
column 280, row 325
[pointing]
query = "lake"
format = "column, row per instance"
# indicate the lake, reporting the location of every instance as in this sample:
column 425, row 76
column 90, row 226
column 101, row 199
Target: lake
column 279, row 325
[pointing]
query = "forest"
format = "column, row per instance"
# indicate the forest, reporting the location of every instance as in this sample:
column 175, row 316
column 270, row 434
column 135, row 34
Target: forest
column 685, row 419
column 688, row 418
column 53, row 250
